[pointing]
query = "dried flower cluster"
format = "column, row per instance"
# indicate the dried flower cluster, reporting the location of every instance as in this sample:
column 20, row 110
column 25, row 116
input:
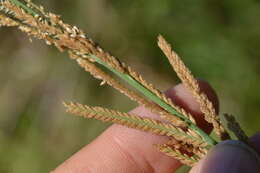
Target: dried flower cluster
column 191, row 83
column 187, row 142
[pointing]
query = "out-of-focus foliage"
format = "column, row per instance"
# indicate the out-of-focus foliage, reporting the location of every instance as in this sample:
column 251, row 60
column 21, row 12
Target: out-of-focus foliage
column 218, row 40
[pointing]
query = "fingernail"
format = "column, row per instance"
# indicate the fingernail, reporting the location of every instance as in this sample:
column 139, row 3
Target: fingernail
column 230, row 157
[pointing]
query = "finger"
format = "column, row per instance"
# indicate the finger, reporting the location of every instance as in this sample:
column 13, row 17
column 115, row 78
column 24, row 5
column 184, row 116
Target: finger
column 231, row 157
column 255, row 141
column 120, row 149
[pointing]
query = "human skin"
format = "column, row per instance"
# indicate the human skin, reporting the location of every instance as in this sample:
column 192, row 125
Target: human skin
column 123, row 150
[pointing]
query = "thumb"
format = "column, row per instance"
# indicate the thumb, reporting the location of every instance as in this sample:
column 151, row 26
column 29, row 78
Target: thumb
column 229, row 157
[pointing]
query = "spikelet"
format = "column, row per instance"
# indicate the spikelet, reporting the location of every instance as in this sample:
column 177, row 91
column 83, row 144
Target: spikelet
column 234, row 126
column 192, row 85
column 177, row 154
column 129, row 120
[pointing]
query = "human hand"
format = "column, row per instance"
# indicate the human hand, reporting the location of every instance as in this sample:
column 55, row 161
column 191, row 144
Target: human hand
column 124, row 150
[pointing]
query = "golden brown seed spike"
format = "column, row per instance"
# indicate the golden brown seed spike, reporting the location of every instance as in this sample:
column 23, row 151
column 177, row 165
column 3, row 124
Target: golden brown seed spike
column 18, row 13
column 22, row 20
column 6, row 21
column 129, row 120
column 67, row 36
column 98, row 73
column 234, row 126
column 192, row 85
column 177, row 154
column 133, row 121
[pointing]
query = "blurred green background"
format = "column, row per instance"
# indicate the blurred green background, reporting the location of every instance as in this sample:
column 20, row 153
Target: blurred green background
column 218, row 40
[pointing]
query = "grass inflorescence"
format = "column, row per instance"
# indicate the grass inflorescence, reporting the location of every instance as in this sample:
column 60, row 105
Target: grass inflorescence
column 187, row 142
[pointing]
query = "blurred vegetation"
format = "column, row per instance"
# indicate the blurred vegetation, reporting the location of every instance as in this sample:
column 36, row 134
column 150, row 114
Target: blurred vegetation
column 218, row 40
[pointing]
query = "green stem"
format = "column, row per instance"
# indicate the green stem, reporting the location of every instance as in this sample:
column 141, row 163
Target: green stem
column 157, row 100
